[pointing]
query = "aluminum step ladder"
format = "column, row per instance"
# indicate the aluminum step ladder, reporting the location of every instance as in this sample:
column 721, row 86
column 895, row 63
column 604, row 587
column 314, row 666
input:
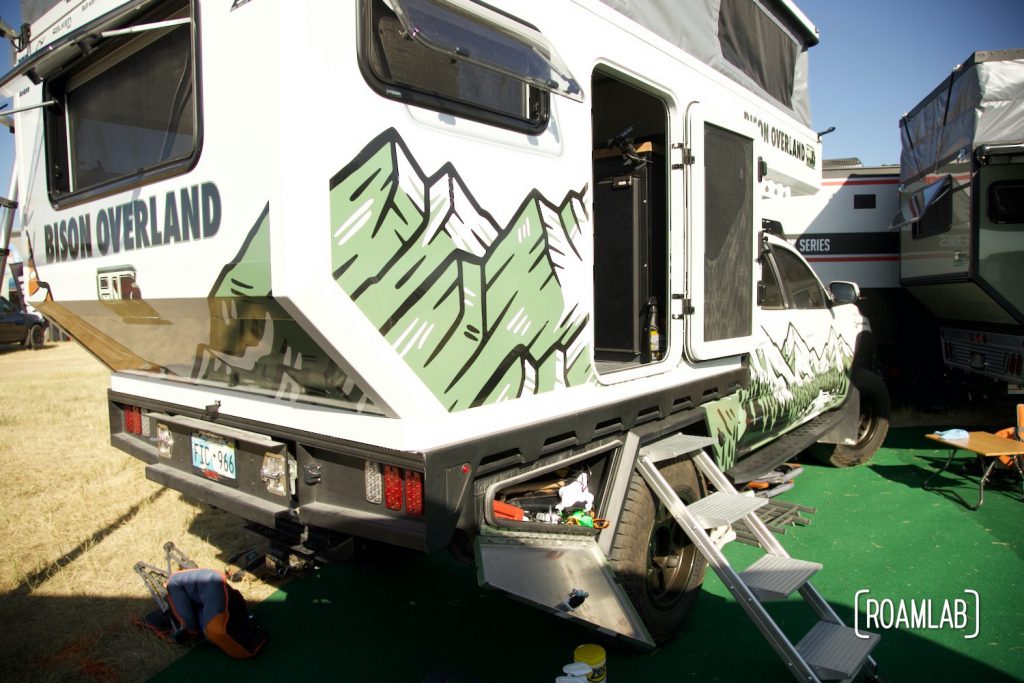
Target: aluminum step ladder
column 830, row 650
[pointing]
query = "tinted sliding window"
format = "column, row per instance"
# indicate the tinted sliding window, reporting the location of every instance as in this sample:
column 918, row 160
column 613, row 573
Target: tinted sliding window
column 126, row 111
column 424, row 74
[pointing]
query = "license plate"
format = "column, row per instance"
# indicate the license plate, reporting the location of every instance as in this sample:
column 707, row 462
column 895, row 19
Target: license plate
column 213, row 456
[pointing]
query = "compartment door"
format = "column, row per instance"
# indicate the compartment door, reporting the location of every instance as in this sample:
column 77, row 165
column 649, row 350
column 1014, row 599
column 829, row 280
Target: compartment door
column 544, row 569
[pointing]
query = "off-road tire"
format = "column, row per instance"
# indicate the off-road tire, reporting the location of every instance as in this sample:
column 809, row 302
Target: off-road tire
column 873, row 427
column 657, row 565
column 36, row 337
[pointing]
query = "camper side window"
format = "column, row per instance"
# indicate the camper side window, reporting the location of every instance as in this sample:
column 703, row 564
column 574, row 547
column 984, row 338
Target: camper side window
column 405, row 69
column 126, row 111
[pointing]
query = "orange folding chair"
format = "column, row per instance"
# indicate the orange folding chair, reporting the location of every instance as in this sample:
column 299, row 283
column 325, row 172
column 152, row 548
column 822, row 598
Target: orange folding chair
column 1014, row 461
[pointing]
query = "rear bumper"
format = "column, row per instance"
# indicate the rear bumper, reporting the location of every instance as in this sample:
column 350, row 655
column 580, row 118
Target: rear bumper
column 326, row 488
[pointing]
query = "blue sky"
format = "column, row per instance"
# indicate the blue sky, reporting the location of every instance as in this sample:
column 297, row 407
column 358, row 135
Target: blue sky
column 877, row 59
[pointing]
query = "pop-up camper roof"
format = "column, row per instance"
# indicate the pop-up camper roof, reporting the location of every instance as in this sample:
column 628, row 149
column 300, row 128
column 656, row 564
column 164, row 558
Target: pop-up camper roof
column 760, row 44
column 980, row 103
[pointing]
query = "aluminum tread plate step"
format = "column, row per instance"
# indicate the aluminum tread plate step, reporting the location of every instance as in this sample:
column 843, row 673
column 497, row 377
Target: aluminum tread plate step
column 834, row 651
column 721, row 508
column 774, row 577
column 675, row 445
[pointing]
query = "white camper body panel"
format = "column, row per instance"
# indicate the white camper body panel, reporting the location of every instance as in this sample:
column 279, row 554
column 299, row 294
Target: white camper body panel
column 279, row 118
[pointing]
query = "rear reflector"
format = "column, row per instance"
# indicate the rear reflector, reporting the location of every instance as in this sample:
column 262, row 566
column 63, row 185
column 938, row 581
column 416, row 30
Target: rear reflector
column 395, row 487
column 413, row 492
column 133, row 420
column 392, row 488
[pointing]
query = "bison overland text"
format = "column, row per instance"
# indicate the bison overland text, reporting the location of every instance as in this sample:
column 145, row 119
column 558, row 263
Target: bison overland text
column 188, row 214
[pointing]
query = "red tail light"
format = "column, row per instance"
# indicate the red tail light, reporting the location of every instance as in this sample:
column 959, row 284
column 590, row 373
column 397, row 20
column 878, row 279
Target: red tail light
column 392, row 488
column 413, row 492
column 133, row 420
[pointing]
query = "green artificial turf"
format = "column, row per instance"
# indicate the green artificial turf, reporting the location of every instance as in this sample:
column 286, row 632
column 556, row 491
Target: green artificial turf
column 423, row 618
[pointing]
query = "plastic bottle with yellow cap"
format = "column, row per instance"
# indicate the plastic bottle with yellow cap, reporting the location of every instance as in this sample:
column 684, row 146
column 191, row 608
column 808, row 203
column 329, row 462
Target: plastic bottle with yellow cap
column 594, row 656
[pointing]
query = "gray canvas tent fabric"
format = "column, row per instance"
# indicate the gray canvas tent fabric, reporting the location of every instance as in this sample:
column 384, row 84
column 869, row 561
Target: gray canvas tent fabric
column 980, row 103
column 760, row 44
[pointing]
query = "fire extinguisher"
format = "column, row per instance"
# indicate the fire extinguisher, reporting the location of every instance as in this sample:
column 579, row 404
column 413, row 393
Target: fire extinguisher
column 653, row 331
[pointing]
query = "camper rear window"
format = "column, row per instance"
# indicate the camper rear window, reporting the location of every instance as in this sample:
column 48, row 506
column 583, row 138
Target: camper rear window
column 405, row 69
column 1006, row 202
column 126, row 113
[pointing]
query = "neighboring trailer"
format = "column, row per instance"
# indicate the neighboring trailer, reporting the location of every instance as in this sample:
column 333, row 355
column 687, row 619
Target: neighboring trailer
column 962, row 213
column 845, row 230
column 381, row 269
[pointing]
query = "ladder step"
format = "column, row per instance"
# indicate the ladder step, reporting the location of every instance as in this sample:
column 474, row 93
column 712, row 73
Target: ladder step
column 721, row 508
column 674, row 446
column 774, row 577
column 835, row 651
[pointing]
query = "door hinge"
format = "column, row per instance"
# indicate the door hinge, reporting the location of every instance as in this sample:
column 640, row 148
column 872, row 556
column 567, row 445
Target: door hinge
column 687, row 308
column 688, row 158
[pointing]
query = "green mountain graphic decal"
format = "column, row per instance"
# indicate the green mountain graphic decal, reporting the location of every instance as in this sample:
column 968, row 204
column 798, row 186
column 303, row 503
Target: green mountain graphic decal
column 255, row 345
column 481, row 313
column 789, row 383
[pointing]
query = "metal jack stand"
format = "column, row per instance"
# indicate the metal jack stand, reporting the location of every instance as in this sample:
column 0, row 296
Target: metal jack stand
column 155, row 580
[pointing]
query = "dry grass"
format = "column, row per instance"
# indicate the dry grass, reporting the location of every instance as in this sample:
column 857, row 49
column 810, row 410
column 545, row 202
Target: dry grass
column 75, row 516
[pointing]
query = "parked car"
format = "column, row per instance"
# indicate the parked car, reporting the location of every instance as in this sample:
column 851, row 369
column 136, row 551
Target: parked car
column 21, row 327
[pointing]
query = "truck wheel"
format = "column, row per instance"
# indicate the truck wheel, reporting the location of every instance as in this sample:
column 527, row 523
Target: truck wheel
column 874, row 424
column 657, row 565
column 35, row 339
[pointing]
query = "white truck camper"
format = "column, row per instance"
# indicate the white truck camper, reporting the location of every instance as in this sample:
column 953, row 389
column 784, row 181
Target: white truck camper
column 440, row 273
column 962, row 213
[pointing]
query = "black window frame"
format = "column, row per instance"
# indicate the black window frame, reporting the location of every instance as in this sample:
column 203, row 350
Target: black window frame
column 864, row 201
column 55, row 87
column 409, row 94
column 1004, row 218
column 769, row 275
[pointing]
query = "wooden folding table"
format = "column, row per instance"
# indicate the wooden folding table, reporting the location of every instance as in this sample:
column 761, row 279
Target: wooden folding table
column 988, row 446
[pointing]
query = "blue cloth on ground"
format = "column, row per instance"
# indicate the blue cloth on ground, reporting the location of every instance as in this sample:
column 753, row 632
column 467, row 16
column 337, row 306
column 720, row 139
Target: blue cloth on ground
column 954, row 435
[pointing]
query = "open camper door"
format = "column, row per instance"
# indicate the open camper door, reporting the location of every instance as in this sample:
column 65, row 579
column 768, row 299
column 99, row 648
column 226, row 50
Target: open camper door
column 722, row 177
